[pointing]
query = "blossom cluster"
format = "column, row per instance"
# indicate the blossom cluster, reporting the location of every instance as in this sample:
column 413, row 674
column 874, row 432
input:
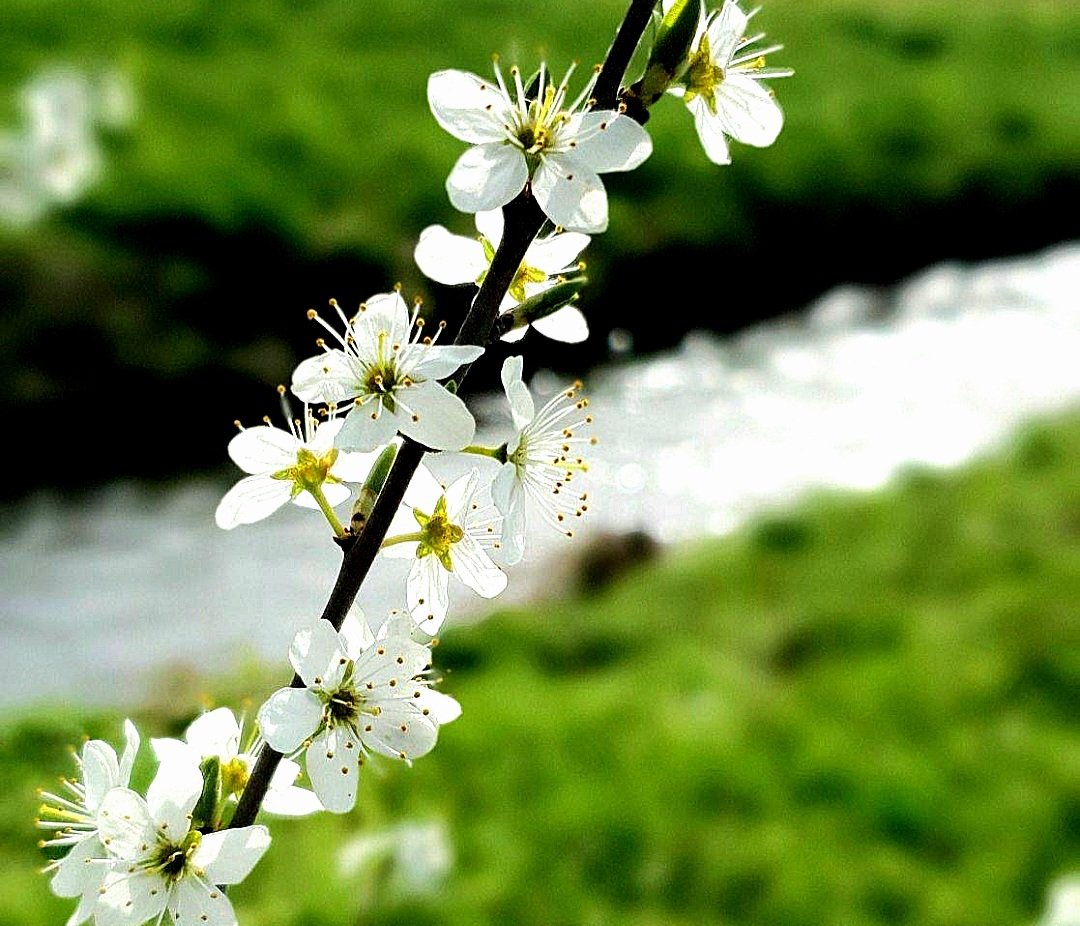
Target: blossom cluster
column 385, row 375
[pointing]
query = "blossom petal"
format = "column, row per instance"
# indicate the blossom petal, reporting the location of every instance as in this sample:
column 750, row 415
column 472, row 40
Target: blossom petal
column 522, row 408
column 427, row 593
column 467, row 106
column 748, row 112
column 567, row 325
column 353, row 466
column 252, row 499
column 334, row 492
column 327, row 377
column 172, row 796
column 228, row 856
column 366, row 427
column 131, row 748
column 130, row 897
column 608, row 141
column 199, row 902
column 486, row 177
column 400, row 730
column 474, row 567
column 448, row 258
column 386, row 668
column 556, row 253
column 459, row 495
column 424, row 492
column 435, row 417
column 382, row 315
column 263, row 449
column 284, row 799
column 725, row 28
column 100, row 771
column 171, row 750
column 438, row 361
column 710, row 131
column 489, row 222
column 333, row 766
column 317, row 655
column 125, row 823
column 441, row 707
column 76, row 871
column 509, row 498
column 288, row 717
column 571, row 194
column 215, row 733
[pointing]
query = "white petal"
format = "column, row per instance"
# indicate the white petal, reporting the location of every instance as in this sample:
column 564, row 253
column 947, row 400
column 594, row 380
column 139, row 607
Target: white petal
column 400, row 730
column 475, row 568
column 571, row 194
column 353, row 466
column 252, row 499
column 427, row 593
column 288, row 717
column 325, row 434
column 384, row 314
column 333, row 766
column 486, row 177
column 366, row 427
column 387, row 668
column 725, row 28
column 448, row 258
column 522, row 409
column 334, row 492
column 711, row 132
column 215, row 733
column 556, row 253
column 438, row 361
column 172, row 796
column 131, row 749
column 355, row 633
column 197, row 902
column 125, row 824
column 284, row 799
column 130, row 898
column 434, row 417
column 567, row 325
column 459, row 495
column 100, row 771
column 747, row 111
column 85, row 909
column 228, row 856
column 317, row 655
column 608, row 141
column 515, row 334
column 170, row 750
column 467, row 106
column 424, row 492
column 76, row 873
column 509, row 498
column 327, row 377
column 489, row 222
column 441, row 707
column 263, row 449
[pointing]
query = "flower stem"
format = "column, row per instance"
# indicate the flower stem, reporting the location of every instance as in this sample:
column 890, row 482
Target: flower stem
column 414, row 537
column 324, row 507
column 496, row 453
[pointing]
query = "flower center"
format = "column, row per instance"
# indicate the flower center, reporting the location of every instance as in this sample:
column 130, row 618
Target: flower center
column 311, row 469
column 234, row 776
column 439, row 534
column 344, row 705
column 525, row 274
column 703, row 75
column 171, row 860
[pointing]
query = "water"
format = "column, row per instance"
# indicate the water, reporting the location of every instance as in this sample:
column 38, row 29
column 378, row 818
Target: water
column 104, row 598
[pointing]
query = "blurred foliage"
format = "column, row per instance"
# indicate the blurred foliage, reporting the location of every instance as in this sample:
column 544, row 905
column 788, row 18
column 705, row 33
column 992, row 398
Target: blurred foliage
column 859, row 712
column 283, row 153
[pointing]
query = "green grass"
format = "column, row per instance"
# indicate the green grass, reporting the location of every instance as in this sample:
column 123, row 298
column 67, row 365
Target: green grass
column 859, row 712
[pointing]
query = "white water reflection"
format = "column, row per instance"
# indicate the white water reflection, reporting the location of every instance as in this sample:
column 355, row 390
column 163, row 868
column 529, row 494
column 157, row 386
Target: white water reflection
column 691, row 442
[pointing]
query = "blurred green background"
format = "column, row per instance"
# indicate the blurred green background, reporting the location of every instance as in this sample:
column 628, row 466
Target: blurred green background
column 863, row 712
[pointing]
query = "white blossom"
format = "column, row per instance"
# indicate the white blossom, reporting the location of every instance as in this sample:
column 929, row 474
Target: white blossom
column 559, row 148
column 285, row 465
column 163, row 868
column 73, row 820
column 455, row 531
column 454, row 259
column 390, row 380
column 542, row 460
column 217, row 734
column 364, row 693
column 721, row 88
